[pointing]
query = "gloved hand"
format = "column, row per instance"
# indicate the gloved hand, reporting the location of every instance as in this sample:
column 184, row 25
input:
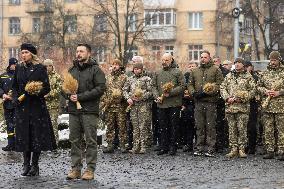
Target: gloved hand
column 199, row 95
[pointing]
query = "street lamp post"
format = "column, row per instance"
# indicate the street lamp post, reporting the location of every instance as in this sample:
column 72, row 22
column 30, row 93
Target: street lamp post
column 236, row 14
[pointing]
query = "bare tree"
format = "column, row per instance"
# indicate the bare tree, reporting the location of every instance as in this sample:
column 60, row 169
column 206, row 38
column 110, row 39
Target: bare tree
column 266, row 19
column 125, row 22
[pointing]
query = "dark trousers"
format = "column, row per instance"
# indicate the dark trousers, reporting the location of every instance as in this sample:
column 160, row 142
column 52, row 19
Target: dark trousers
column 187, row 126
column 168, row 122
column 155, row 125
column 222, row 133
column 129, row 130
column 252, row 124
column 9, row 115
column 205, row 114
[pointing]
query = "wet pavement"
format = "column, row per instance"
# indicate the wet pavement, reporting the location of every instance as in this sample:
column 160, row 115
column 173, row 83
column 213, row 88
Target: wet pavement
column 129, row 171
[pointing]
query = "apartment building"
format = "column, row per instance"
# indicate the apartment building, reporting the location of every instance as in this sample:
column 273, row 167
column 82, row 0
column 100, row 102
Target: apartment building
column 181, row 27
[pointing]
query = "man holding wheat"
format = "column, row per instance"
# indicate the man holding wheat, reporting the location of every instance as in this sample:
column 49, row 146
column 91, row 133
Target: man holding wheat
column 138, row 92
column 271, row 87
column 204, row 85
column 168, row 87
column 83, row 87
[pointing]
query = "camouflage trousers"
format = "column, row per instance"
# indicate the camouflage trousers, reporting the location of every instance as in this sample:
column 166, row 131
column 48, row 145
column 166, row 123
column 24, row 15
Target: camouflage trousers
column 273, row 123
column 237, row 129
column 113, row 119
column 54, row 113
column 140, row 115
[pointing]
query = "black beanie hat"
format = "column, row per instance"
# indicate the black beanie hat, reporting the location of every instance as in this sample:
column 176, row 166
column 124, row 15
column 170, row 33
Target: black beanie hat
column 12, row 61
column 29, row 47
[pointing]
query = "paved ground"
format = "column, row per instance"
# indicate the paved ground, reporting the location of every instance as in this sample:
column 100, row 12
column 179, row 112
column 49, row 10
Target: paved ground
column 147, row 171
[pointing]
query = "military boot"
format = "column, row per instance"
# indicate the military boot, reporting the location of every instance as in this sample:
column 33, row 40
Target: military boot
column 123, row 149
column 108, row 149
column 242, row 153
column 88, row 175
column 74, row 174
column 269, row 155
column 280, row 157
column 233, row 153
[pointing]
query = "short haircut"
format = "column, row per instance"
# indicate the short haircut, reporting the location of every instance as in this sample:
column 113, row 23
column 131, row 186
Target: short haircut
column 215, row 56
column 206, row 51
column 88, row 47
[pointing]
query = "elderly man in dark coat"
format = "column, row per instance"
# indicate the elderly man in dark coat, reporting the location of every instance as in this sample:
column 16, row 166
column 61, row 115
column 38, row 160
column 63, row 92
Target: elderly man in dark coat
column 32, row 124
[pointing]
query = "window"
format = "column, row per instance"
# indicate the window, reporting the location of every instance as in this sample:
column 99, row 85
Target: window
column 169, row 49
column 70, row 24
column 100, row 54
column 133, row 51
column 101, row 23
column 156, row 52
column 228, row 53
column 247, row 26
column 194, row 52
column 14, row 2
column 14, row 52
column 160, row 18
column 14, row 25
column 36, row 25
column 195, row 20
column 132, row 19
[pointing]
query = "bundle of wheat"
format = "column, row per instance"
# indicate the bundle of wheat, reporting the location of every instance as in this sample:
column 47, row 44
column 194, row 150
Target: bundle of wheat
column 167, row 87
column 210, row 88
column 116, row 93
column 275, row 86
column 138, row 93
column 32, row 88
column 70, row 86
column 243, row 95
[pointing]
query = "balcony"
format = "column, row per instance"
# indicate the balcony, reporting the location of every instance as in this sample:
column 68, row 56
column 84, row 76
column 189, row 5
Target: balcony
column 39, row 9
column 160, row 32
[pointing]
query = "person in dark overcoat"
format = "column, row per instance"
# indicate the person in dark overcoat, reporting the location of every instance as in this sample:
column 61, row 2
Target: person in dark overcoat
column 6, row 81
column 33, row 126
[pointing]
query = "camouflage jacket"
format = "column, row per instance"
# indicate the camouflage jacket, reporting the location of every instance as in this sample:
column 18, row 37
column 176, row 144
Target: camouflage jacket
column 143, row 83
column 272, row 79
column 114, row 82
column 241, row 86
column 53, row 97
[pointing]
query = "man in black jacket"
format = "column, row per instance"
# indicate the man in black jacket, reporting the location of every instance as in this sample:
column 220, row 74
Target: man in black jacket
column 84, row 121
column 6, row 81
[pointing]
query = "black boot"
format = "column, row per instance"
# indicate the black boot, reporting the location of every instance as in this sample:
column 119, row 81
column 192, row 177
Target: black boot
column 34, row 171
column 26, row 166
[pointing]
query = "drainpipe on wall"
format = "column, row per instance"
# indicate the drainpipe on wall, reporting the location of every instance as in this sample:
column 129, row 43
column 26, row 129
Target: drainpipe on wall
column 1, row 30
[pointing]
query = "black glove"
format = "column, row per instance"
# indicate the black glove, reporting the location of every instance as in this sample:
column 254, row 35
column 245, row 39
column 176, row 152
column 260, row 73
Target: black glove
column 199, row 95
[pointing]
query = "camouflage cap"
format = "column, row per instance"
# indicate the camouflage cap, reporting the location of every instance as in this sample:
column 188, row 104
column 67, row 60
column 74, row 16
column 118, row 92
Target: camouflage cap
column 275, row 55
column 116, row 61
column 48, row 62
column 138, row 66
column 239, row 60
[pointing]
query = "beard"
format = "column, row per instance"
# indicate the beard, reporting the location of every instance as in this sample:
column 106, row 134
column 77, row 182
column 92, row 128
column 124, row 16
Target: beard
column 80, row 59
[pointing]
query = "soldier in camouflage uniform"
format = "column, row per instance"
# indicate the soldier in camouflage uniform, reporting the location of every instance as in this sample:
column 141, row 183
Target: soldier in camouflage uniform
column 140, row 106
column 53, row 97
column 114, row 106
column 237, row 90
column 271, row 87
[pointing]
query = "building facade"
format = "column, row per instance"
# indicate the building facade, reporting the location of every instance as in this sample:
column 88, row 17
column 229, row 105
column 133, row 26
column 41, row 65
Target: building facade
column 181, row 27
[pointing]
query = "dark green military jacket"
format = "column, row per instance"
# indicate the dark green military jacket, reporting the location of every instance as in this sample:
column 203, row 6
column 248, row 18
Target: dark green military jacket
column 92, row 84
column 205, row 74
column 163, row 76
